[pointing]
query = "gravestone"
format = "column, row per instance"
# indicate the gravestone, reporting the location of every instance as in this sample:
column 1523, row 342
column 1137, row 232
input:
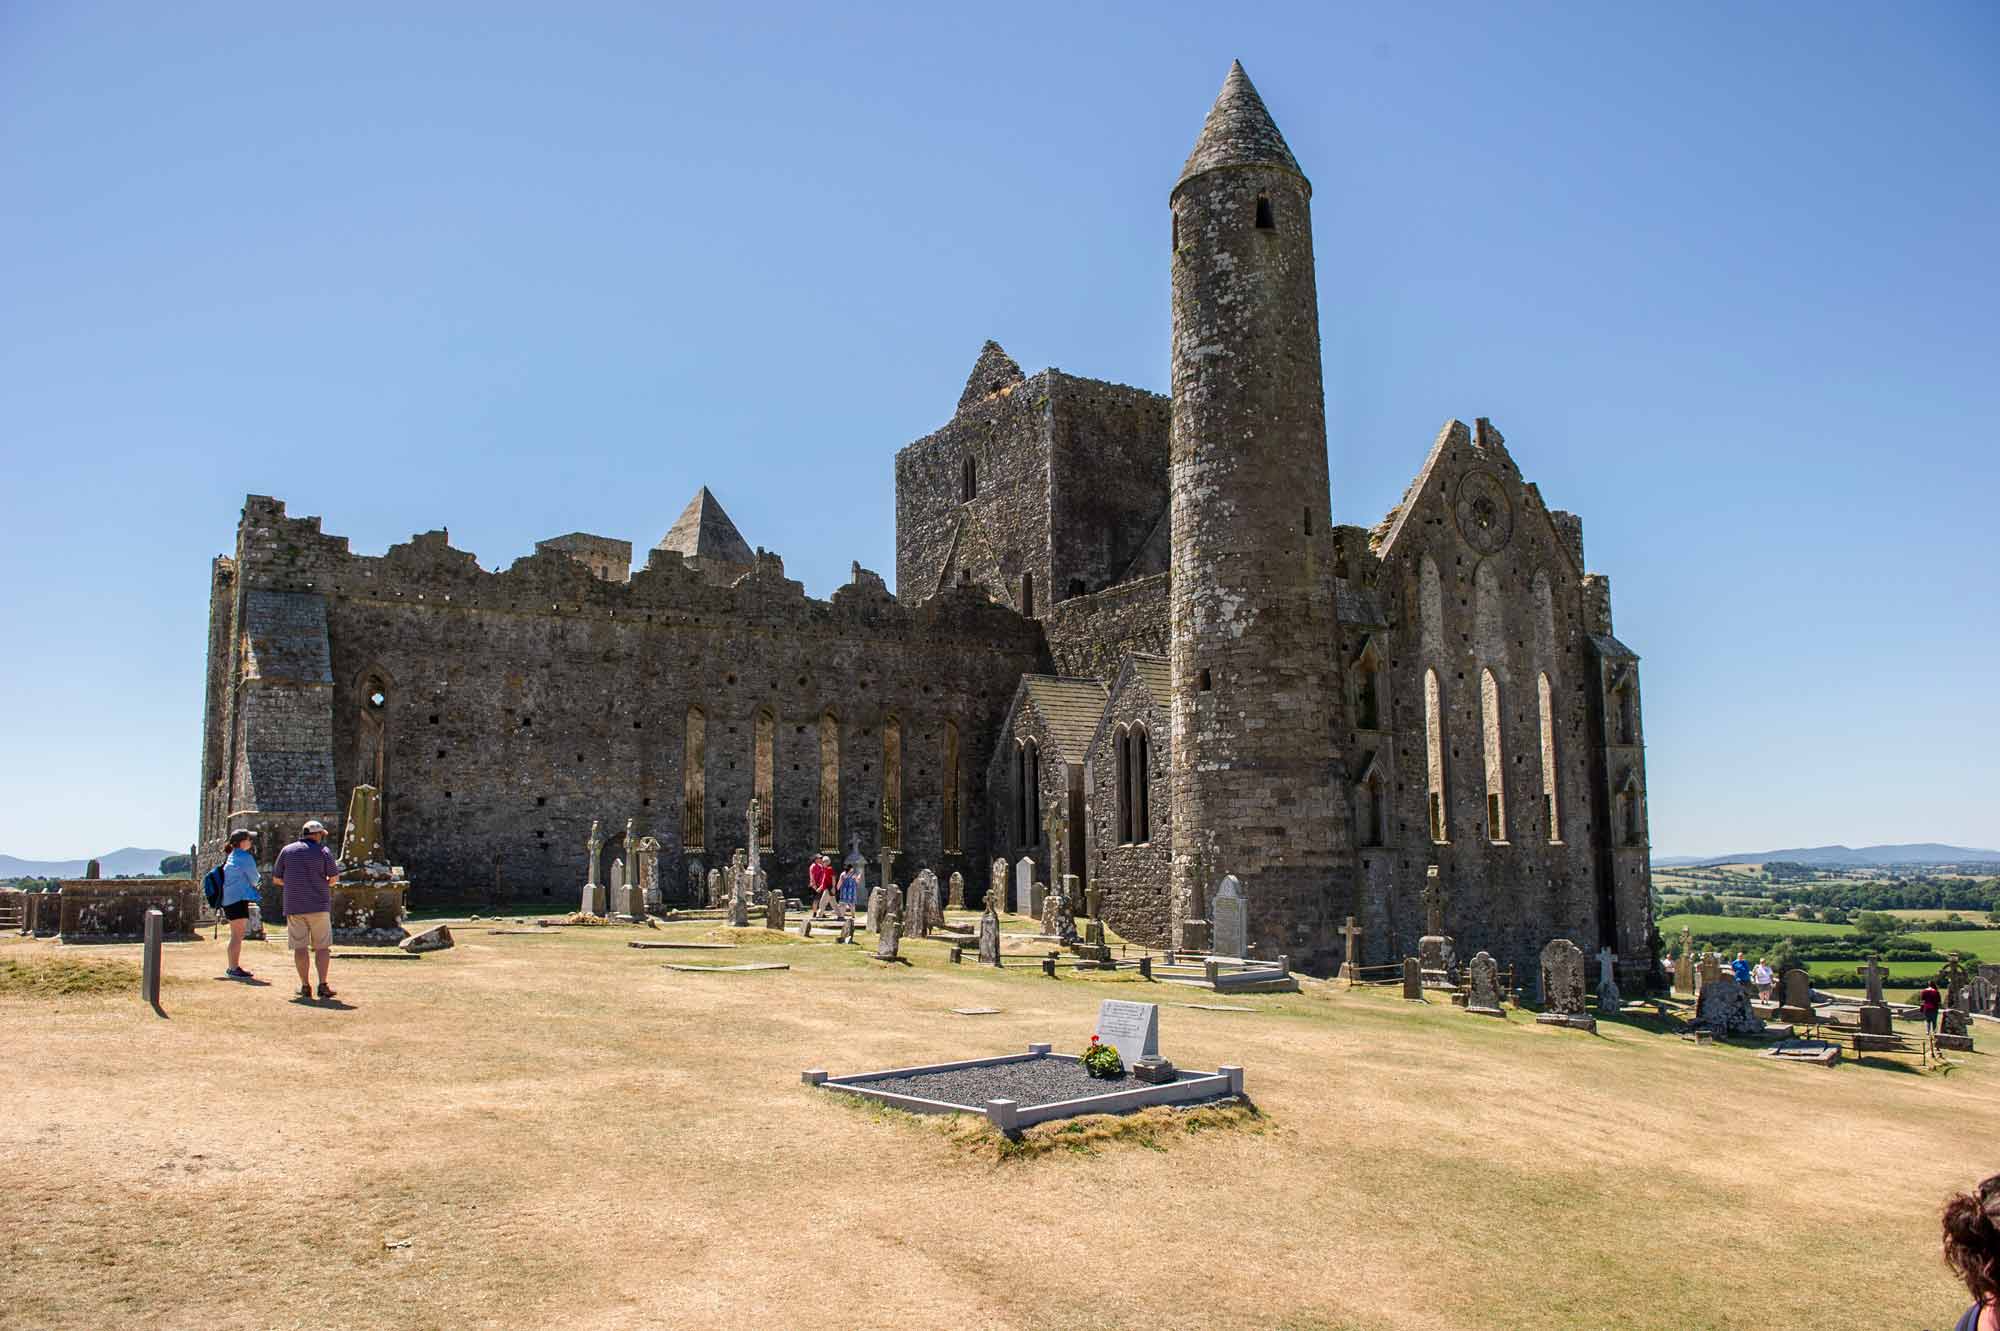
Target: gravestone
column 1562, row 987
column 1413, row 979
column 774, row 911
column 1609, row 1000
column 1724, row 1007
column 996, row 886
column 615, row 882
column 739, row 906
column 1434, row 950
column 855, row 859
column 593, row 902
column 1484, row 974
column 1024, row 886
column 957, row 900
column 361, row 840
column 1229, row 913
column 753, row 819
column 1797, row 997
column 892, row 904
column 888, row 858
column 714, row 889
column 846, row 927
column 1711, row 968
column 923, row 905
column 1873, row 1015
column 1350, row 968
column 645, row 876
column 989, row 937
column 1038, row 899
column 1132, row 1028
column 1684, row 972
column 875, row 902
column 890, row 937
column 1058, row 920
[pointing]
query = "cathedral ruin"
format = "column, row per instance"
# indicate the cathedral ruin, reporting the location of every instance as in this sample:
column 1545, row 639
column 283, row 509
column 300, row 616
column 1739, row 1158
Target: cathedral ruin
column 1128, row 641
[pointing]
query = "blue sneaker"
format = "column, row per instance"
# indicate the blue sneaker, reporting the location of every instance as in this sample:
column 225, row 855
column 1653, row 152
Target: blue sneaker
column 238, row 973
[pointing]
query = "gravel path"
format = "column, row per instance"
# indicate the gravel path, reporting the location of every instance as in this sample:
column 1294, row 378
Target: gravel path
column 1038, row 1081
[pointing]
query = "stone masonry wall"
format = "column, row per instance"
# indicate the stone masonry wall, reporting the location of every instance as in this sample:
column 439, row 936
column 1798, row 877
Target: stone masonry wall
column 520, row 705
column 1133, row 880
column 1091, row 635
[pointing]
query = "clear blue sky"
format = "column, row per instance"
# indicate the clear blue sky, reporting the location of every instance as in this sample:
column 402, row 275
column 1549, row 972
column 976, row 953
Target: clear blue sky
column 1724, row 275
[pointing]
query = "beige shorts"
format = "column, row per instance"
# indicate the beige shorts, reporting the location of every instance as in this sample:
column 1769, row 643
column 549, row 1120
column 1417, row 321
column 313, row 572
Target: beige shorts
column 313, row 929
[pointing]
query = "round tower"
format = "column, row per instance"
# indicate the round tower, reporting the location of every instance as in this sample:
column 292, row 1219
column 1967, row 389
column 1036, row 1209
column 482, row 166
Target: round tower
column 1256, row 789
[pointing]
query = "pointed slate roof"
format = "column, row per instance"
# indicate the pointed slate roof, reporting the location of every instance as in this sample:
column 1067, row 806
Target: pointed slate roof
column 704, row 531
column 1239, row 132
column 1070, row 707
column 993, row 371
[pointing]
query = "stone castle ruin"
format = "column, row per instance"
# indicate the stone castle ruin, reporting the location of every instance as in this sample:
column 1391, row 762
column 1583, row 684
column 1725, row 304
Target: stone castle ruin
column 1129, row 644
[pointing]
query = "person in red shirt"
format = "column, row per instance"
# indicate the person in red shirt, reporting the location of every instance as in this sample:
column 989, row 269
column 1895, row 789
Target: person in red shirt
column 1929, row 1001
column 821, row 877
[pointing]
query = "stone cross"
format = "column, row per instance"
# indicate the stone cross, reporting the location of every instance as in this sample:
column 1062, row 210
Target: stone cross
column 596, row 844
column 1352, row 931
column 996, row 886
column 892, row 903
column 1874, row 980
column 888, row 858
column 714, row 885
column 1609, row 1000
column 755, row 810
column 854, row 855
column 1433, row 903
column 1058, row 844
column 989, row 937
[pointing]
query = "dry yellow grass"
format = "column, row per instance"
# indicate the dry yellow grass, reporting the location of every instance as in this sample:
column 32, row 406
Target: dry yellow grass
column 569, row 1135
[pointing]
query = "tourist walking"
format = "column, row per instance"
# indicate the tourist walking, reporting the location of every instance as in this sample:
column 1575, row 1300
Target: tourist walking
column 1763, row 979
column 304, row 873
column 821, row 878
column 1740, row 969
column 850, row 887
column 239, row 890
column 1929, row 1001
column 1972, row 1251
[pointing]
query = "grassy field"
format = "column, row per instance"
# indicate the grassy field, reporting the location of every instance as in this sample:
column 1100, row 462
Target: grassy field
column 1670, row 927
column 550, row 1129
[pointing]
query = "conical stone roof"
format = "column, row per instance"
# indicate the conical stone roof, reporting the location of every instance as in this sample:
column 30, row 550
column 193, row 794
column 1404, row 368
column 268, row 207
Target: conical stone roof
column 1239, row 132
column 993, row 371
column 704, row 531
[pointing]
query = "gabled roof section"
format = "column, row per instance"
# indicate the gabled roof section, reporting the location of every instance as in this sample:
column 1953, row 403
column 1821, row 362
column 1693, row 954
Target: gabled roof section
column 1454, row 432
column 1610, row 649
column 1239, row 131
column 1144, row 671
column 1157, row 676
column 1069, row 708
column 704, row 531
column 994, row 372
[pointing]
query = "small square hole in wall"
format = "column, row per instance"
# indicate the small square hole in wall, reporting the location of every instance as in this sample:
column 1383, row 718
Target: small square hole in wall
column 434, row 718
column 440, row 753
column 646, row 803
column 541, row 801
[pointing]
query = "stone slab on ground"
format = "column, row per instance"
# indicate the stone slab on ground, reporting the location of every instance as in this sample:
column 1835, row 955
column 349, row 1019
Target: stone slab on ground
column 740, row 966
column 1820, row 1053
column 687, row 947
column 1218, row 1007
column 975, row 1011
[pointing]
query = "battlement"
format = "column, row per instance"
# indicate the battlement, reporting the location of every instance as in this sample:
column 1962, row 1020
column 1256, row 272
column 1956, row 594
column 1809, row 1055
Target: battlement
column 280, row 553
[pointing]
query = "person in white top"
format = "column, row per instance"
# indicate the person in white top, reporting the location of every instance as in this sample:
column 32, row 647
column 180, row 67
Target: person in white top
column 1762, row 977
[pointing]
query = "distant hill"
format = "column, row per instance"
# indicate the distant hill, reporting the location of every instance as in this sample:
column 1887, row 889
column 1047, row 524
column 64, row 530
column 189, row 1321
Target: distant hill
column 1839, row 857
column 130, row 860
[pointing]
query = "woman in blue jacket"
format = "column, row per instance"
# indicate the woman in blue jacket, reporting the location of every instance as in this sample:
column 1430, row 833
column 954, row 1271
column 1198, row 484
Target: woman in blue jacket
column 239, row 889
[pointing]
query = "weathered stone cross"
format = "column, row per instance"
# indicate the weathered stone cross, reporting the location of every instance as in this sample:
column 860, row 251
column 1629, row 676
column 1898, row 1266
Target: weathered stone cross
column 1352, row 932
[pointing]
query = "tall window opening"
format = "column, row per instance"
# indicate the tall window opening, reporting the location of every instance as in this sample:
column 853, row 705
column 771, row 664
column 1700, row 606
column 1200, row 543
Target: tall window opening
column 892, row 784
column 1628, row 817
column 1028, row 793
column 764, row 761
column 829, row 782
column 1028, row 595
column 1626, row 705
column 1496, row 766
column 1122, row 796
column 968, row 479
column 1266, row 219
column 1546, row 696
column 1368, row 708
column 1434, row 755
column 950, row 834
column 1374, row 814
column 1142, row 785
column 372, row 733
column 694, row 781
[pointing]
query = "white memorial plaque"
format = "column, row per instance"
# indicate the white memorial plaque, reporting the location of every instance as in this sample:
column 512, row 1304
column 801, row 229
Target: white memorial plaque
column 1231, row 915
column 1133, row 1029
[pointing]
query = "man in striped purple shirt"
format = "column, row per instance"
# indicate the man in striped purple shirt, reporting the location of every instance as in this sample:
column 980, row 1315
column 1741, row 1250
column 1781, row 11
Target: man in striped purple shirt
column 304, row 873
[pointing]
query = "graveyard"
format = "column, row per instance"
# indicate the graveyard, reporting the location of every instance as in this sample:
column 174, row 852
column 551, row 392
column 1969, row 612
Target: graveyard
column 548, row 1125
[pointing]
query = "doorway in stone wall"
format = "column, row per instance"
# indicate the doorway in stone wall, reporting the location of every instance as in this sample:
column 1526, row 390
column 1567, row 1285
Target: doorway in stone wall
column 1073, row 852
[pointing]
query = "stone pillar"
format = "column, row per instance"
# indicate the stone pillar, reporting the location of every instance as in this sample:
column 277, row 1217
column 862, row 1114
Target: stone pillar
column 149, row 975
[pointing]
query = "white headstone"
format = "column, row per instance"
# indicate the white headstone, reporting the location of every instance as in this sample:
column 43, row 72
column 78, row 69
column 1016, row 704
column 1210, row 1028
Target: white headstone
column 1231, row 917
column 1024, row 886
column 1132, row 1028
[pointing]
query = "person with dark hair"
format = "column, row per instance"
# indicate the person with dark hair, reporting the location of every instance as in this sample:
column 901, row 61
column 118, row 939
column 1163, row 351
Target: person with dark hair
column 1972, row 1251
column 1928, row 1003
column 239, row 891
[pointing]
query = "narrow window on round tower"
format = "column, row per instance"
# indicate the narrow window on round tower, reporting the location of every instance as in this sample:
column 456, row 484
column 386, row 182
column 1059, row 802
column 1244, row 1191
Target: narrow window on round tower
column 1434, row 756
column 1266, row 220
column 968, row 481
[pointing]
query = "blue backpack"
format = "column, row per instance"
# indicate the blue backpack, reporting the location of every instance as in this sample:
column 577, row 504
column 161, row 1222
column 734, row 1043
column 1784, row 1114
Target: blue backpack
column 211, row 887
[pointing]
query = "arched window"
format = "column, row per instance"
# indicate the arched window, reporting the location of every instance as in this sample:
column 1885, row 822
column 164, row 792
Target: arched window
column 829, row 782
column 1434, row 755
column 1266, row 219
column 1374, row 814
column 694, row 781
column 1625, row 706
column 1142, row 784
column 763, row 778
column 1368, row 706
column 1122, row 793
column 949, row 777
column 1490, row 724
column 1028, row 793
column 968, row 479
column 892, row 784
column 1551, row 812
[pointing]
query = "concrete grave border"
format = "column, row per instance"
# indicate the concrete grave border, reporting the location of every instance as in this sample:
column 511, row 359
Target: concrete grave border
column 1011, row 1116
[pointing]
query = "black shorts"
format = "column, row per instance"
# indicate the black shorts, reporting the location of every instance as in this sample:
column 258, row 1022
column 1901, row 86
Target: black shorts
column 236, row 910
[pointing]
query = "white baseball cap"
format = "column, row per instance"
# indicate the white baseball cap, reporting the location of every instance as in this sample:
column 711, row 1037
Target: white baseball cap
column 314, row 825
